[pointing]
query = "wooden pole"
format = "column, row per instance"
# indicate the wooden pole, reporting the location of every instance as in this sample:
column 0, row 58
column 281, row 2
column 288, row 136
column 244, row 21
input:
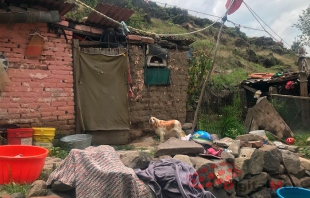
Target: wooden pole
column 206, row 80
column 304, row 103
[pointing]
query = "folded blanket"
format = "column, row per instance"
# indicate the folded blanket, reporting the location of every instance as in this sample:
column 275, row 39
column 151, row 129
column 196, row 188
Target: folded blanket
column 97, row 172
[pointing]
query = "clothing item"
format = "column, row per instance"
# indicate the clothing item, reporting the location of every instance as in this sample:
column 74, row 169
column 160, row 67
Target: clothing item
column 98, row 172
column 170, row 178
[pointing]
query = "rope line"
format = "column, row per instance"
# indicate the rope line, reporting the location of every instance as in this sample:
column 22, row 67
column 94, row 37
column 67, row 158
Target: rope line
column 253, row 13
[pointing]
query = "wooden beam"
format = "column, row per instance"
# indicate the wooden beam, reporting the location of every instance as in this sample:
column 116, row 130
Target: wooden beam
column 249, row 88
column 289, row 96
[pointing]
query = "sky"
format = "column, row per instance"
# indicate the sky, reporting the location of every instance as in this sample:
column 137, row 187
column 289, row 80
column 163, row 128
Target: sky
column 280, row 15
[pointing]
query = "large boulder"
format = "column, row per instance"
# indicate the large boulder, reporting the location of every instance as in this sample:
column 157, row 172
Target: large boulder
column 255, row 158
column 225, row 142
column 305, row 163
column 235, row 147
column 38, row 188
column 175, row 146
column 246, row 186
column 249, row 137
column 135, row 159
column 291, row 161
column 272, row 157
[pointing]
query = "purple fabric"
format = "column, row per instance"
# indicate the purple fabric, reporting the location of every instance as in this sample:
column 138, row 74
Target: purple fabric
column 170, row 178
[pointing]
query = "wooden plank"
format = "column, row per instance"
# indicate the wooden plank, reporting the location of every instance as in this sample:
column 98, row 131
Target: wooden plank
column 289, row 96
column 267, row 118
column 249, row 88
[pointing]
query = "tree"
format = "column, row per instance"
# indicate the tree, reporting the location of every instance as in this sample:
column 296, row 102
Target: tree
column 304, row 26
column 296, row 45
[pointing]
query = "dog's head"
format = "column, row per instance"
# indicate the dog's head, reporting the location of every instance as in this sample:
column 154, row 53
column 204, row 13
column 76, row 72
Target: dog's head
column 152, row 120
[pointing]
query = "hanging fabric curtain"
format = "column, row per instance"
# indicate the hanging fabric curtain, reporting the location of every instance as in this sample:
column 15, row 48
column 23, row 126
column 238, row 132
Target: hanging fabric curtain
column 234, row 7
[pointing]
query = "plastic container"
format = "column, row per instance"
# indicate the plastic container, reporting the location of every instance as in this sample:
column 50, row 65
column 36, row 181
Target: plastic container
column 43, row 144
column 259, row 133
column 21, row 163
column 20, row 136
column 293, row 192
column 79, row 141
column 43, row 135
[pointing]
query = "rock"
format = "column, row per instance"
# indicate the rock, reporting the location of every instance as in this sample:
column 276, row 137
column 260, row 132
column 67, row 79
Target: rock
column 256, row 144
column 175, row 146
column 305, row 163
column 255, row 159
column 55, row 194
column 235, row 148
column 227, row 156
column 247, row 186
column 215, row 137
column 240, row 168
column 264, row 193
column 296, row 181
column 249, row 137
column 272, row 157
column 225, row 142
column 220, row 193
column 246, row 144
column 280, row 170
column 59, row 186
column 38, row 188
column 291, row 161
column 164, row 156
column 187, row 126
column 183, row 158
column 308, row 140
column 135, row 159
column 305, row 182
column 198, row 162
column 17, row 195
column 301, row 172
column 293, row 149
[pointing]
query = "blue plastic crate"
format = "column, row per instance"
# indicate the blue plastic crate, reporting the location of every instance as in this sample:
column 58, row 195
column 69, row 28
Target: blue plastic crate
column 293, row 192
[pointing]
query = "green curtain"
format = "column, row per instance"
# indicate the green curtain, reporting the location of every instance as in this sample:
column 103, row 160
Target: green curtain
column 156, row 76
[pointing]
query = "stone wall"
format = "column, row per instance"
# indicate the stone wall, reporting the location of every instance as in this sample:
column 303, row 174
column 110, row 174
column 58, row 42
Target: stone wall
column 40, row 91
column 163, row 102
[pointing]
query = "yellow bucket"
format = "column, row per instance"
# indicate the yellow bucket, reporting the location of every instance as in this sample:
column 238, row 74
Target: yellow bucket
column 44, row 135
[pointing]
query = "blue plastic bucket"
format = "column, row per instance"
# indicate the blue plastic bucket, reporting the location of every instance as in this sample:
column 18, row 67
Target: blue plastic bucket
column 293, row 192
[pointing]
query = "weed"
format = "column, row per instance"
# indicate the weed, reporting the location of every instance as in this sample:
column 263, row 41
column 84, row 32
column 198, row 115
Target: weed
column 143, row 149
column 57, row 152
column 124, row 147
column 17, row 188
column 305, row 152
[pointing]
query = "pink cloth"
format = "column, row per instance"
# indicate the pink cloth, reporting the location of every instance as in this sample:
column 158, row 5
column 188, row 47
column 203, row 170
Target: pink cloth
column 212, row 151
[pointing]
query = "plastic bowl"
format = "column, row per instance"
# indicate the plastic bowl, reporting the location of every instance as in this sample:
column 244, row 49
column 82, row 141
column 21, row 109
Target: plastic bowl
column 293, row 192
column 21, row 163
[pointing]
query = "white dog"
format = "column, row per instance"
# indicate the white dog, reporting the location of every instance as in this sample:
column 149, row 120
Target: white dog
column 163, row 127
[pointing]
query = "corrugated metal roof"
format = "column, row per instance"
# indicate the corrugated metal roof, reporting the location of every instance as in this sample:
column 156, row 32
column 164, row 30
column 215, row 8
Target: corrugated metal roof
column 62, row 6
column 117, row 13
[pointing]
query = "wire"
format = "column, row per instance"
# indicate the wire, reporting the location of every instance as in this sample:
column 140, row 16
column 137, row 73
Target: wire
column 253, row 13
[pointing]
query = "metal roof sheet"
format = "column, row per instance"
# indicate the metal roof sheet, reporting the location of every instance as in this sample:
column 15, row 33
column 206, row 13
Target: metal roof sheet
column 117, row 13
column 62, row 6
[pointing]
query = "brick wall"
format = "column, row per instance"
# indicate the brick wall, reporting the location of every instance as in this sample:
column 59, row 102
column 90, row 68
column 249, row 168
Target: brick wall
column 163, row 100
column 40, row 91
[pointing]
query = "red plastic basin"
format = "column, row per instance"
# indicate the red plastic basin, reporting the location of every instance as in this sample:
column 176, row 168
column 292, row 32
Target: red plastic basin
column 21, row 163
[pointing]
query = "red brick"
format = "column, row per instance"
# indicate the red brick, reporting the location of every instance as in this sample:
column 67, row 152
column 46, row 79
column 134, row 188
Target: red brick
column 134, row 37
column 32, row 84
column 30, row 105
column 14, row 60
column 65, row 98
column 31, row 115
column 51, row 87
column 63, row 23
column 67, row 59
column 4, row 40
column 71, row 122
column 58, row 104
column 19, row 40
column 58, row 113
column 19, row 51
column 62, row 85
column 20, row 94
column 27, row 100
column 66, row 117
column 10, row 45
column 48, row 53
column 9, row 105
column 15, row 99
column 70, row 103
column 46, row 114
column 54, row 67
column 48, row 109
column 50, row 44
column 19, row 89
column 3, row 49
column 66, row 127
column 62, row 72
column 50, row 118
column 66, row 108
column 4, row 100
column 13, row 116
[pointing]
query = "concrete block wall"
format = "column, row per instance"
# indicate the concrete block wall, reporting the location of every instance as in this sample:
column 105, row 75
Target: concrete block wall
column 163, row 102
column 40, row 91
